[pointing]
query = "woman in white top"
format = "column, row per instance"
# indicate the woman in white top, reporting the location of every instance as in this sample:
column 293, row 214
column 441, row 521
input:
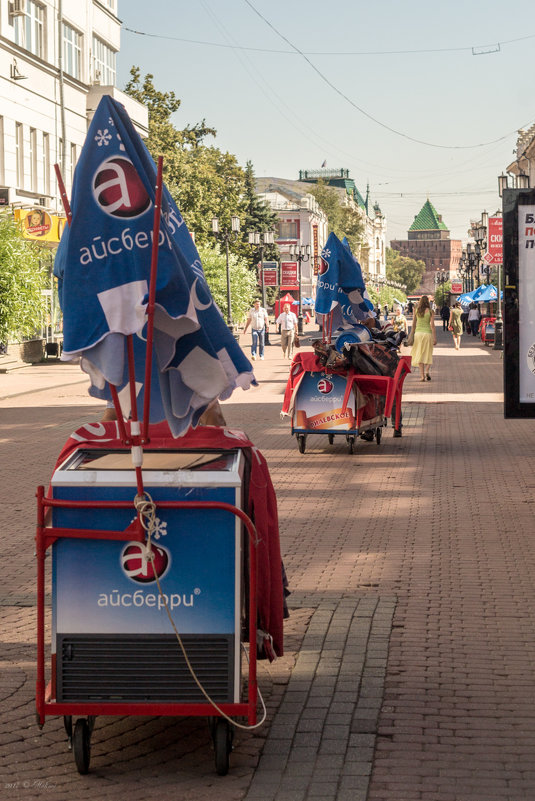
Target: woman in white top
column 473, row 318
column 288, row 323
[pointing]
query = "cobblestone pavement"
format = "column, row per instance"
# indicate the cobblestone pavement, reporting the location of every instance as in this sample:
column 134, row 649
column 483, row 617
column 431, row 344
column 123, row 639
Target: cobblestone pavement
column 411, row 643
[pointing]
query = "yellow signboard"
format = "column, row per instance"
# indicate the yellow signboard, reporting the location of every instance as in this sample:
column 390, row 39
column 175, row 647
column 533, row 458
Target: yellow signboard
column 39, row 225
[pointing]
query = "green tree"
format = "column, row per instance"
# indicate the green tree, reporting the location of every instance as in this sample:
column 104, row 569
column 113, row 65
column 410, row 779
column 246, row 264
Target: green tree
column 404, row 269
column 204, row 181
column 243, row 287
column 442, row 293
column 257, row 215
column 343, row 220
column 22, row 279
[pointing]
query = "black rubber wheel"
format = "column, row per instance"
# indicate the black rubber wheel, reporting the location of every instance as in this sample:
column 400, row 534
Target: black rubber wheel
column 378, row 435
column 331, row 438
column 81, row 744
column 301, row 443
column 351, row 444
column 222, row 746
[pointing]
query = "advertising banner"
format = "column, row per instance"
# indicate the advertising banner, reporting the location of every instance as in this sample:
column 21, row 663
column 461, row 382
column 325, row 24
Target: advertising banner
column 319, row 404
column 456, row 287
column 495, row 240
column 519, row 302
column 270, row 278
column 289, row 275
column 38, row 224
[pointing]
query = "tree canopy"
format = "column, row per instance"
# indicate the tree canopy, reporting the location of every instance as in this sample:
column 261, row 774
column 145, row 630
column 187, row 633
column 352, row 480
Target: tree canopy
column 404, row 269
column 343, row 220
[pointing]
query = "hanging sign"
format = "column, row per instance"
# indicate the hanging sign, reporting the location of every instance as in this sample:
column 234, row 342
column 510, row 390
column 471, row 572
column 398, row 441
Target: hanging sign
column 495, row 241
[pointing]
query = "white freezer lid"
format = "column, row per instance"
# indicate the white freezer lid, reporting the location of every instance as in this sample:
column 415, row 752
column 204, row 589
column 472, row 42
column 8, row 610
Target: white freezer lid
column 192, row 468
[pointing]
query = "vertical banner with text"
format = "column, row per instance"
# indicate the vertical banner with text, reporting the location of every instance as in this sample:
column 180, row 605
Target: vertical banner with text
column 519, row 302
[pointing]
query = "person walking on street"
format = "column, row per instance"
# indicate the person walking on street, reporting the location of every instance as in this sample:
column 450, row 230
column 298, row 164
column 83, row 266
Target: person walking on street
column 473, row 319
column 424, row 336
column 288, row 323
column 259, row 321
column 455, row 325
column 400, row 321
column 445, row 314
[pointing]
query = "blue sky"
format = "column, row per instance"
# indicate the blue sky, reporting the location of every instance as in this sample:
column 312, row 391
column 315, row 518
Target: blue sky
column 286, row 114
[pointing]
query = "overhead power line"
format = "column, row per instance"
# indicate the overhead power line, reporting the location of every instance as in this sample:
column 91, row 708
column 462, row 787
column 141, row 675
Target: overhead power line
column 476, row 50
column 363, row 111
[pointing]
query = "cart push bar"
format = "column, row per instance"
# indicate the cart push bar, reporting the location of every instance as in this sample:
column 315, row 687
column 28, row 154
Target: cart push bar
column 47, row 536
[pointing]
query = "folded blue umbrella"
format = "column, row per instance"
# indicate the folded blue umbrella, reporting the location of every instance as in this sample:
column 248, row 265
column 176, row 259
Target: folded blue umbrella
column 103, row 266
column 341, row 288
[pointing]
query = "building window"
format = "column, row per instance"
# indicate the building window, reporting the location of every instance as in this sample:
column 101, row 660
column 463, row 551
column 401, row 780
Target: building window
column 46, row 164
column 19, row 154
column 288, row 229
column 29, row 29
column 33, row 159
column 72, row 51
column 104, row 70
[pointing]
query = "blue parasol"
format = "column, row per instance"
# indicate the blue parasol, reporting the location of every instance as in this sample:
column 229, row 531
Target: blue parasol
column 103, row 266
column 341, row 288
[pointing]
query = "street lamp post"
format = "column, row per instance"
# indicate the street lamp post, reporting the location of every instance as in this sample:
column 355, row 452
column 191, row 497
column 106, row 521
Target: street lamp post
column 301, row 253
column 227, row 236
column 258, row 241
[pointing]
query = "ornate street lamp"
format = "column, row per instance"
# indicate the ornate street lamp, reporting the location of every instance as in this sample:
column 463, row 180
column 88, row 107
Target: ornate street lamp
column 301, row 253
column 227, row 235
column 258, row 242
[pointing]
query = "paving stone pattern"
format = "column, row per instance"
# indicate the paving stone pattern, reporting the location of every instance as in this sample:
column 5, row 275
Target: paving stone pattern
column 433, row 704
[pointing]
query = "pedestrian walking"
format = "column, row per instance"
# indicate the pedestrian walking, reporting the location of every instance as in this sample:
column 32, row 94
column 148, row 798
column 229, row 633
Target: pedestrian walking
column 473, row 319
column 410, row 307
column 385, row 311
column 259, row 321
column 445, row 314
column 400, row 321
column 455, row 325
column 288, row 323
column 423, row 338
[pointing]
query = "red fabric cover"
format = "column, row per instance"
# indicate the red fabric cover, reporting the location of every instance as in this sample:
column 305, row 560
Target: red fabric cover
column 262, row 502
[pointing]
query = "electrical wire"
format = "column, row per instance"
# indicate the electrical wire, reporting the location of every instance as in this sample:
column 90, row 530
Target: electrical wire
column 416, row 51
column 363, row 111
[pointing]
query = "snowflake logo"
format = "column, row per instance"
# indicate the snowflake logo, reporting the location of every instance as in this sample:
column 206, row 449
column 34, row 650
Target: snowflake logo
column 159, row 530
column 111, row 122
column 325, row 253
column 103, row 137
column 121, row 146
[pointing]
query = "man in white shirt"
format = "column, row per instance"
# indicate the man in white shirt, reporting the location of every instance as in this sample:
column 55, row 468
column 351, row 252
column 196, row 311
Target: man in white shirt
column 259, row 321
column 288, row 323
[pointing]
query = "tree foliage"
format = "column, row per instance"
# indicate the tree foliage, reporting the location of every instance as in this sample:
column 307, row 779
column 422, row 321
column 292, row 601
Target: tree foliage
column 243, row 287
column 257, row 215
column 22, row 279
column 343, row 220
column 404, row 269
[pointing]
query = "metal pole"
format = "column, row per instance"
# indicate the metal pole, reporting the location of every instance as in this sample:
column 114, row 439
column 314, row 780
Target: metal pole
column 300, row 317
column 498, row 325
column 262, row 275
column 229, row 309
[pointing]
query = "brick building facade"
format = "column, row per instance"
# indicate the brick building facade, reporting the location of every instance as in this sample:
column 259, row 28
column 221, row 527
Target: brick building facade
column 428, row 239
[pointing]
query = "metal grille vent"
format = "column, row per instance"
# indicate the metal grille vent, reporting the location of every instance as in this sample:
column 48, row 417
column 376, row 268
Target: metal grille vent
column 141, row 667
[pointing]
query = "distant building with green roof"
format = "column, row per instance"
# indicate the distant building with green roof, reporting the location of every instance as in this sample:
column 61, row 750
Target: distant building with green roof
column 428, row 240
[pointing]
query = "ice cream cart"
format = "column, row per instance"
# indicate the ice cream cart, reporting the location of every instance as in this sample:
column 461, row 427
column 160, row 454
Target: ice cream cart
column 340, row 402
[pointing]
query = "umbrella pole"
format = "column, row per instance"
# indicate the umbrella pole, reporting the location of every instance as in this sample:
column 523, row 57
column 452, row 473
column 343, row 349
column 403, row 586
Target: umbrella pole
column 68, row 214
column 152, row 296
column 135, row 428
column 63, row 194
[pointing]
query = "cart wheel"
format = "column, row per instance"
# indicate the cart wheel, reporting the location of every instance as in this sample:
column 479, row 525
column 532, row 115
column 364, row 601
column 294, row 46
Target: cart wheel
column 301, row 442
column 378, row 435
column 331, row 438
column 222, row 745
column 81, row 742
column 67, row 723
column 351, row 444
